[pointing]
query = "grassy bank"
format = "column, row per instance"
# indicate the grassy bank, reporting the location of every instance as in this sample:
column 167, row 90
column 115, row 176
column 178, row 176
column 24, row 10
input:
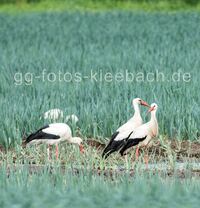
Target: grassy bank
column 94, row 5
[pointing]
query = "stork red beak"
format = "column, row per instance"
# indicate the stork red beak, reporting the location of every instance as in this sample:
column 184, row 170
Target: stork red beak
column 81, row 148
column 150, row 109
column 144, row 103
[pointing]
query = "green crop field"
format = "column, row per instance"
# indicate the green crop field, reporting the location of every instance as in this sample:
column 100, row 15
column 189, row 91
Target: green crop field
column 52, row 45
column 88, row 190
column 92, row 64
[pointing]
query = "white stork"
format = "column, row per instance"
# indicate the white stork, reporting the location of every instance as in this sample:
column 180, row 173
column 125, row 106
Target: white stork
column 142, row 135
column 56, row 113
column 54, row 134
column 72, row 117
column 53, row 114
column 118, row 139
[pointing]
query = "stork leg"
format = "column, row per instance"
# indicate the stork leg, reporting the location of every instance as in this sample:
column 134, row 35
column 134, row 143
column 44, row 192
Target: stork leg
column 146, row 157
column 146, row 160
column 126, row 159
column 57, row 152
column 49, row 152
column 137, row 153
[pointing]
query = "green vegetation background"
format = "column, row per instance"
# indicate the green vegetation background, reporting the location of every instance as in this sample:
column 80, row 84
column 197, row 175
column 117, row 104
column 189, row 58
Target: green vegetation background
column 71, row 42
column 119, row 40
column 62, row 5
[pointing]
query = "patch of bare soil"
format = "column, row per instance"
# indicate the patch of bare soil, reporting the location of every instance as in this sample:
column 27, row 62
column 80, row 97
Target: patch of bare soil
column 180, row 148
column 96, row 144
column 186, row 148
column 1, row 148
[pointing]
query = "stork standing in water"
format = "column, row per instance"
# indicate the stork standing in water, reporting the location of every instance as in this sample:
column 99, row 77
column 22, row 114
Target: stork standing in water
column 54, row 134
column 142, row 135
column 118, row 139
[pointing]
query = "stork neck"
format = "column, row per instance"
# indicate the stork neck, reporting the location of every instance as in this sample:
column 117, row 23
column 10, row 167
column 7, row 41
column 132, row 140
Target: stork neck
column 137, row 109
column 72, row 140
column 75, row 140
column 154, row 123
column 153, row 116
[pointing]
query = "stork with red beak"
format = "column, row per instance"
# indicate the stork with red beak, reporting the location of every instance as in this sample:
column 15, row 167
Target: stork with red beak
column 54, row 134
column 143, row 134
column 118, row 139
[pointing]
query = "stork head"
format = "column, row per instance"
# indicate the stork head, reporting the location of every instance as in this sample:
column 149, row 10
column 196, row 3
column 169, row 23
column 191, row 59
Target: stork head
column 153, row 108
column 79, row 141
column 139, row 101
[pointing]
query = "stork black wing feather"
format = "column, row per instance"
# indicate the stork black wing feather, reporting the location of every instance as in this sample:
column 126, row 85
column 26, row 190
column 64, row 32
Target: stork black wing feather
column 131, row 142
column 114, row 146
column 110, row 143
column 39, row 134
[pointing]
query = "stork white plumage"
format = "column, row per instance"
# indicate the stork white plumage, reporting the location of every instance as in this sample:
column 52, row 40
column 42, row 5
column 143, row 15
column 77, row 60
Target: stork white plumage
column 118, row 139
column 54, row 134
column 56, row 114
column 53, row 114
column 72, row 117
column 142, row 135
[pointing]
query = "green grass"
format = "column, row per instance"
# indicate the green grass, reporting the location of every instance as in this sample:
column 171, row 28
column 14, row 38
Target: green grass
column 58, row 189
column 97, row 5
column 97, row 183
column 117, row 41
